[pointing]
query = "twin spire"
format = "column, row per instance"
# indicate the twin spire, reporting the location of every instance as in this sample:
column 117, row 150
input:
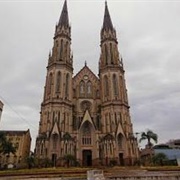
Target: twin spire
column 64, row 18
column 107, row 24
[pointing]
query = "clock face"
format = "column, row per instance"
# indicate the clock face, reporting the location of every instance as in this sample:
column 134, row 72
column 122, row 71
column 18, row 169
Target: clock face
column 85, row 77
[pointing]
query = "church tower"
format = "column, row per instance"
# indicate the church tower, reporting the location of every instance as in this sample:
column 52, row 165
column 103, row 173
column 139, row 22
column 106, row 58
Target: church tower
column 115, row 116
column 85, row 117
column 56, row 108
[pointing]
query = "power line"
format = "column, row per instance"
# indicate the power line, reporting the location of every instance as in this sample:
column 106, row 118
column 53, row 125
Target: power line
column 19, row 115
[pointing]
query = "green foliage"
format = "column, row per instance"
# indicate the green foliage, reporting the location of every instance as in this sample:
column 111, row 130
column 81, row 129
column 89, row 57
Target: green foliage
column 6, row 147
column 113, row 162
column 30, row 160
column 70, row 160
column 2, row 141
column 148, row 136
column 159, row 159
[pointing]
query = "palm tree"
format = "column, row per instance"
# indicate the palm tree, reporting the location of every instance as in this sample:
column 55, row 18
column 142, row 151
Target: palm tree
column 2, row 141
column 148, row 136
column 8, row 148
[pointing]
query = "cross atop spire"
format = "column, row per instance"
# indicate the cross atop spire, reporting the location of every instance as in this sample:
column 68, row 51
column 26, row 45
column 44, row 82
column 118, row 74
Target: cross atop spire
column 107, row 24
column 64, row 18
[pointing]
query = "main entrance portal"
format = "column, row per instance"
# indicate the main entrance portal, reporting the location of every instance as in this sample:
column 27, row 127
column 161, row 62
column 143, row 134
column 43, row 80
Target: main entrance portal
column 87, row 157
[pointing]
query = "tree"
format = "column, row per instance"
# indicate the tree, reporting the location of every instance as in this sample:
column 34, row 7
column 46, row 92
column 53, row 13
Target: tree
column 148, row 136
column 2, row 141
column 69, row 160
column 6, row 146
column 30, row 160
column 159, row 159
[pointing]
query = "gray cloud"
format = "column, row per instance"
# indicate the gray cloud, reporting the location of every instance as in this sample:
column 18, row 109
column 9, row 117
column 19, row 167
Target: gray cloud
column 148, row 35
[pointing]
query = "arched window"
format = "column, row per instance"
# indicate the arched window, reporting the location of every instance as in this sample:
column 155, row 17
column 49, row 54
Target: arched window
column 54, row 139
column 111, row 51
column 67, row 86
column 115, row 85
column 58, row 81
column 89, row 88
column 42, row 146
column 61, row 50
column 106, row 88
column 120, row 141
column 98, row 121
column 82, row 88
column 86, row 133
column 106, row 55
column 50, row 84
column 66, row 51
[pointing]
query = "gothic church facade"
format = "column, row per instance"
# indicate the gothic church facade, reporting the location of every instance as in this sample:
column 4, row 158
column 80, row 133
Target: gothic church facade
column 85, row 115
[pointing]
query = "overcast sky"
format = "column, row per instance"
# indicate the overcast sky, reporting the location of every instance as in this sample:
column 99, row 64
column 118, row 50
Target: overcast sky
column 149, row 41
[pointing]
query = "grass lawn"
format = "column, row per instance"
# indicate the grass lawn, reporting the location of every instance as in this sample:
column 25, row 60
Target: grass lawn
column 78, row 171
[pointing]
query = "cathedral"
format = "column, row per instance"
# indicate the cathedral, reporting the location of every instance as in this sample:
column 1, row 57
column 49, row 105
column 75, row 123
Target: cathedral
column 86, row 116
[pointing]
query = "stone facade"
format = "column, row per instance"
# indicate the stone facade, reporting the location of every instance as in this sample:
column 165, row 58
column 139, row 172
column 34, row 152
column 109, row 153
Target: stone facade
column 86, row 116
column 1, row 109
column 22, row 141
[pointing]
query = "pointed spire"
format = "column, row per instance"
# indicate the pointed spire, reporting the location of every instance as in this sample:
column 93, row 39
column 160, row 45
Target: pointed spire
column 107, row 24
column 64, row 18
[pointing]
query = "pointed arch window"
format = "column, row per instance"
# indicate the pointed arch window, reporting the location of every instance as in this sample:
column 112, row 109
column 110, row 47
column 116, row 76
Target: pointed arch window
column 120, row 141
column 50, row 84
column 67, row 86
column 66, row 51
column 61, row 50
column 115, row 84
column 111, row 51
column 86, row 133
column 106, row 88
column 82, row 88
column 106, row 54
column 54, row 139
column 58, row 82
column 89, row 88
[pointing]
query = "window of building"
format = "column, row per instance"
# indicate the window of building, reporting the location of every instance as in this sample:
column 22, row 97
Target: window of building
column 67, row 86
column 112, row 58
column 66, row 51
column 55, row 138
column 89, row 88
column 120, row 141
column 58, row 81
column 86, row 134
column 82, row 88
column 61, row 50
column 106, row 54
column 115, row 85
column 50, row 84
column 106, row 87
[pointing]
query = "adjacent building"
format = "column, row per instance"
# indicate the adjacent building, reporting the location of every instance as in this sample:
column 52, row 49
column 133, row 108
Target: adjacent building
column 22, row 141
column 175, row 143
column 1, row 109
column 171, row 150
column 85, row 115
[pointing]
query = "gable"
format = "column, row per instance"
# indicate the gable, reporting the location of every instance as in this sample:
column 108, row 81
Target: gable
column 85, row 74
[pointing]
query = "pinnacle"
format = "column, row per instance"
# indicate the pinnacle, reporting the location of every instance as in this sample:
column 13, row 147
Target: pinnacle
column 64, row 18
column 107, row 24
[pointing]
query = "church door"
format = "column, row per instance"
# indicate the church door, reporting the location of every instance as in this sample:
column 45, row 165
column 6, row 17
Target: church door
column 54, row 159
column 121, row 159
column 87, row 157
